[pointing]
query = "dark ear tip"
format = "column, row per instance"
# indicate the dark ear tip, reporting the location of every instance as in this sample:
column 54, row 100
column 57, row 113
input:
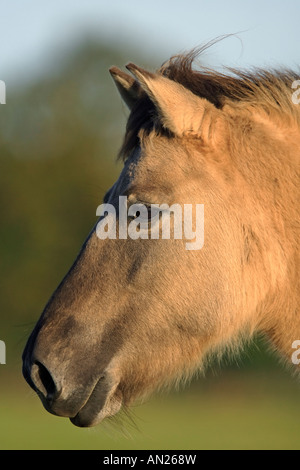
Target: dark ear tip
column 126, row 84
column 130, row 66
column 118, row 73
column 114, row 70
column 122, row 78
column 138, row 71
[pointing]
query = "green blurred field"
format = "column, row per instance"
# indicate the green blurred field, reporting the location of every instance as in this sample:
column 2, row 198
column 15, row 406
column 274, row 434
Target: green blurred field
column 233, row 410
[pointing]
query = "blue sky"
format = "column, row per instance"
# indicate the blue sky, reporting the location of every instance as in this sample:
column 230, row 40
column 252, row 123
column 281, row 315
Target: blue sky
column 34, row 31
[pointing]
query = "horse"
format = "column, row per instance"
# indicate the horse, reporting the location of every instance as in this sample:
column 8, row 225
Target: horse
column 132, row 316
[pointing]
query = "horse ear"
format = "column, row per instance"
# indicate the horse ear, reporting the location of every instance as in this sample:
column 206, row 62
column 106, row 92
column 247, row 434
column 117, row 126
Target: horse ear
column 128, row 87
column 181, row 111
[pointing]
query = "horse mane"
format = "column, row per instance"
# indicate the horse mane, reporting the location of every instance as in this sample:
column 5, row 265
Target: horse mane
column 269, row 90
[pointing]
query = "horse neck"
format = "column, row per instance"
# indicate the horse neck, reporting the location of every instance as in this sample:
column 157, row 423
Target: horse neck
column 268, row 173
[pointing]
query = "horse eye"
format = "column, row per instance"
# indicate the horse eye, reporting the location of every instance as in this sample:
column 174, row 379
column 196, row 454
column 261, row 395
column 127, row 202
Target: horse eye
column 138, row 214
column 134, row 216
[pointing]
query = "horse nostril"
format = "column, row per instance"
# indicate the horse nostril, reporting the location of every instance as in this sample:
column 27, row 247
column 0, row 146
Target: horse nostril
column 43, row 381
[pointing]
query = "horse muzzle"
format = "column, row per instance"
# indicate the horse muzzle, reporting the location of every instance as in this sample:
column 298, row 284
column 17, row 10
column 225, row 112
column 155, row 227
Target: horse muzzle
column 86, row 404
